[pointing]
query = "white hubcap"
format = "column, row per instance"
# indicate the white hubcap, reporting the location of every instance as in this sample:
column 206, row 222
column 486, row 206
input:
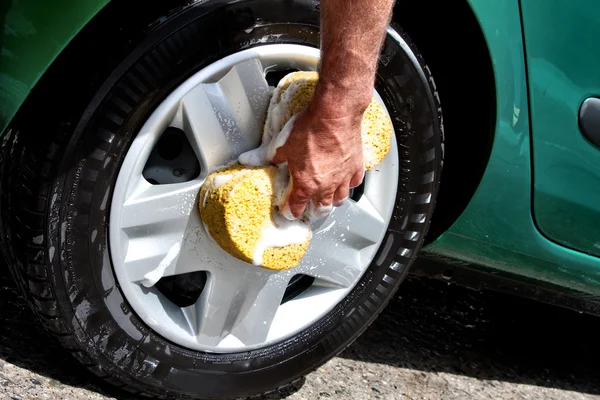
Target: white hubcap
column 220, row 109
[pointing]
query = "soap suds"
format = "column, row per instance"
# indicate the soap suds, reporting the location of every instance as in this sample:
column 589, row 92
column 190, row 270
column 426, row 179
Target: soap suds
column 220, row 167
column 279, row 108
column 254, row 158
column 369, row 155
column 264, row 155
column 327, row 228
column 154, row 276
column 218, row 181
column 221, row 179
column 206, row 193
column 341, row 202
column 280, row 138
column 280, row 232
column 318, row 211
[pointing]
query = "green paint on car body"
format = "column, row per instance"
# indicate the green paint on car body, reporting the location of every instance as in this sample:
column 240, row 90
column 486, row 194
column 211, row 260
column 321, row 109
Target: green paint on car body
column 561, row 42
column 34, row 33
column 497, row 229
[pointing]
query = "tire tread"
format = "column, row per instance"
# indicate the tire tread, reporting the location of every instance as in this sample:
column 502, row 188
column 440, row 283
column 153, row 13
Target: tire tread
column 32, row 191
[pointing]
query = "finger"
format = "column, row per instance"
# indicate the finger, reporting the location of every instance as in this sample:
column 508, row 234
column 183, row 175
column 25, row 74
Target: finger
column 280, row 141
column 341, row 194
column 357, row 179
column 282, row 197
column 325, row 196
column 280, row 156
column 286, row 212
column 322, row 204
column 317, row 210
column 297, row 201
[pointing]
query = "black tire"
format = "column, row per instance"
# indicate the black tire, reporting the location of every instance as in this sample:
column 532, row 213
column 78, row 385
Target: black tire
column 54, row 185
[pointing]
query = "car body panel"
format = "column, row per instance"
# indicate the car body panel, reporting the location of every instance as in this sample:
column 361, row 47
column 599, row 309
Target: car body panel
column 35, row 32
column 497, row 229
column 561, row 43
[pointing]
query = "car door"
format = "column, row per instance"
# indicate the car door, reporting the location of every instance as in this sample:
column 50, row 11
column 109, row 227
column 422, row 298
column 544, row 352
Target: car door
column 563, row 63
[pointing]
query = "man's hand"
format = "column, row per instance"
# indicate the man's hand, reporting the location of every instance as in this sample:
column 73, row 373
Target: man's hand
column 324, row 149
column 325, row 159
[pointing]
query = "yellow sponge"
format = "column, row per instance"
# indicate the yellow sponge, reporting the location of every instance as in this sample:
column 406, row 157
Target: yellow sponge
column 237, row 207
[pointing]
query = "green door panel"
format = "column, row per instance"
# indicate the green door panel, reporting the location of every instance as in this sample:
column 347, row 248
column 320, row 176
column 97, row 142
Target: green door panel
column 497, row 229
column 34, row 33
column 563, row 57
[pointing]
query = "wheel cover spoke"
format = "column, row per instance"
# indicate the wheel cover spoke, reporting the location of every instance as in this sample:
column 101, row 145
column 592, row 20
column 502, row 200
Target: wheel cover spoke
column 239, row 303
column 349, row 230
column 159, row 207
column 154, row 217
column 224, row 119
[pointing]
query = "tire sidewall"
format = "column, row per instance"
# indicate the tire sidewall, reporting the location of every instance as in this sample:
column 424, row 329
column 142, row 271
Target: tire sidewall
column 83, row 277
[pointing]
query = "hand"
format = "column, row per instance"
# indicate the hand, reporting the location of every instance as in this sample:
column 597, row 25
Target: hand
column 325, row 159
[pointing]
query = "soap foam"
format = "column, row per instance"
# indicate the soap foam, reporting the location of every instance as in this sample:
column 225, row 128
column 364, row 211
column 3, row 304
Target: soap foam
column 280, row 139
column 369, row 154
column 155, row 275
column 254, row 158
column 279, row 108
column 264, row 155
column 280, row 232
column 218, row 181
column 318, row 211
column 341, row 202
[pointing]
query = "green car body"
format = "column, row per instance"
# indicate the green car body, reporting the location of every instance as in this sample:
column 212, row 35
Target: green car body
column 535, row 210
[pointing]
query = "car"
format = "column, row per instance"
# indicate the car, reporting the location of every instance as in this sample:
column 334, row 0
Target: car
column 113, row 113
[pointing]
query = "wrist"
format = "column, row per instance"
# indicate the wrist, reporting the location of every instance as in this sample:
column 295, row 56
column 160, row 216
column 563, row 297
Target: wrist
column 339, row 101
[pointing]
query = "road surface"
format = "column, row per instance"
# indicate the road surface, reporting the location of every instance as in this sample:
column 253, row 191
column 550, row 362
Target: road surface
column 434, row 342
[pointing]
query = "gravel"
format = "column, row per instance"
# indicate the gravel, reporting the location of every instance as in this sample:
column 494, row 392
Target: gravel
column 434, row 341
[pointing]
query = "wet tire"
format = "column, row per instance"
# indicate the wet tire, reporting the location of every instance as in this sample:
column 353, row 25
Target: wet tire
column 58, row 174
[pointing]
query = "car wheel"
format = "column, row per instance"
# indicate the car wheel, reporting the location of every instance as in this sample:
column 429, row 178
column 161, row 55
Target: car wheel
column 91, row 212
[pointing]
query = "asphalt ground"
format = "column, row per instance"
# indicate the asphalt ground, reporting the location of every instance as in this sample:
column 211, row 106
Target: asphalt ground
column 433, row 341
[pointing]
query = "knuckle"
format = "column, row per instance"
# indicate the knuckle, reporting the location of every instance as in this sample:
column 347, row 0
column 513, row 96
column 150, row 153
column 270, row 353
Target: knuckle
column 300, row 195
column 305, row 189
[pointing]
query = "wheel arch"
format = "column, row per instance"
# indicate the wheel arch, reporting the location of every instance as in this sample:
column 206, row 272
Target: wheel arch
column 454, row 48
column 31, row 42
column 97, row 45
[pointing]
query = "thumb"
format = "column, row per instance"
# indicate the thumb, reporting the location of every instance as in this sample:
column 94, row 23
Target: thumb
column 277, row 150
column 280, row 155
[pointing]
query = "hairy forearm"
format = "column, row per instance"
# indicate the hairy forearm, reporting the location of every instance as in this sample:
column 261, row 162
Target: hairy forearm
column 352, row 33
